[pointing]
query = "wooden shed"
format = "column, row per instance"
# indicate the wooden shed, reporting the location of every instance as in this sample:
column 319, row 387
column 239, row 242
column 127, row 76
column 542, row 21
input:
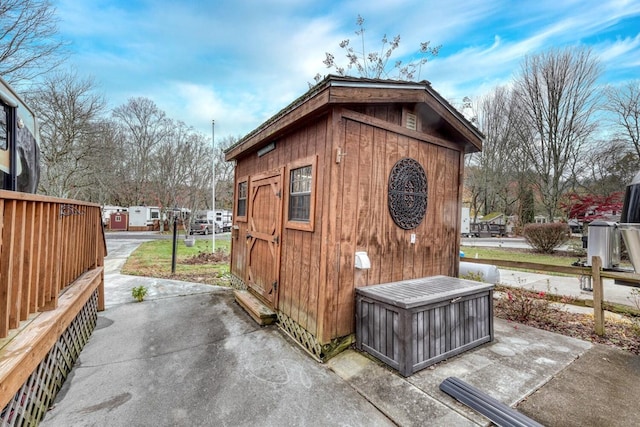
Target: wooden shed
column 119, row 221
column 357, row 182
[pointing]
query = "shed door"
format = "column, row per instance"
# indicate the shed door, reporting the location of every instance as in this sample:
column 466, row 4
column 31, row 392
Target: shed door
column 263, row 236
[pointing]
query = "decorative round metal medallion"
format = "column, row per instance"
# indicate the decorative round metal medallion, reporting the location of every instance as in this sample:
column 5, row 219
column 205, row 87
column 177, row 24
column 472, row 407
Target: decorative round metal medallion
column 407, row 193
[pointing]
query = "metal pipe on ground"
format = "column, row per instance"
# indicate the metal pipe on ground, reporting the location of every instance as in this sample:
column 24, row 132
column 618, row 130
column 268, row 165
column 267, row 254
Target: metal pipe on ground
column 484, row 272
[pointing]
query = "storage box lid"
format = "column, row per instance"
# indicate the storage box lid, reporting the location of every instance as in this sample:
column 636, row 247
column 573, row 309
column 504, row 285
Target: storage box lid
column 425, row 290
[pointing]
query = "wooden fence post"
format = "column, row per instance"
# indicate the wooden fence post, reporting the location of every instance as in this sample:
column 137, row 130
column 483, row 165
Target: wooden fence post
column 598, row 295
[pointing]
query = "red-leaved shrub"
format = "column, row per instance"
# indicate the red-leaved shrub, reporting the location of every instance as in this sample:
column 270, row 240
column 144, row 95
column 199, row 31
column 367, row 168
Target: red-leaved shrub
column 546, row 237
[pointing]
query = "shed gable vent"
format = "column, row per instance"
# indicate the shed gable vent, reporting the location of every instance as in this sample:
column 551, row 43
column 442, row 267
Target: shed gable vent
column 411, row 121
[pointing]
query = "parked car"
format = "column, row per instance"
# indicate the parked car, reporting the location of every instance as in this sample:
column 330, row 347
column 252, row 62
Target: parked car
column 203, row 226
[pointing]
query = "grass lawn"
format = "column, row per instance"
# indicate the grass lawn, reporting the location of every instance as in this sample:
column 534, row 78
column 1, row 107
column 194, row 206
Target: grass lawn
column 198, row 264
column 524, row 255
column 195, row 264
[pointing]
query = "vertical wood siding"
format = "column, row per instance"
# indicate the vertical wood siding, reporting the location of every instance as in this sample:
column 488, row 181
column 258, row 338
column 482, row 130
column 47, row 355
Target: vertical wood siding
column 299, row 284
column 317, row 275
column 365, row 222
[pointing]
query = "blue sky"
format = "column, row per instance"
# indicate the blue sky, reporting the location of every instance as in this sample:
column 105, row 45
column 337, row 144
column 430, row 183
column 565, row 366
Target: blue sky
column 241, row 61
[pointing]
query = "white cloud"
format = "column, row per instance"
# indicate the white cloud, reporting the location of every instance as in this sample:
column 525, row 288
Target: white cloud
column 620, row 49
column 241, row 61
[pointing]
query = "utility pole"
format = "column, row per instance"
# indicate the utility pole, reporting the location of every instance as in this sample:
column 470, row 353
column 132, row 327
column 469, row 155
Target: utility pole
column 213, row 184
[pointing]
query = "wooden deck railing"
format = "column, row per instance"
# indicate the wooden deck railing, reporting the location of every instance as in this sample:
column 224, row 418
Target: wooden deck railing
column 46, row 243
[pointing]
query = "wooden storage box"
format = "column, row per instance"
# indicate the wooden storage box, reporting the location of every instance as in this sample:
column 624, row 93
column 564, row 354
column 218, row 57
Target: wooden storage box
column 412, row 324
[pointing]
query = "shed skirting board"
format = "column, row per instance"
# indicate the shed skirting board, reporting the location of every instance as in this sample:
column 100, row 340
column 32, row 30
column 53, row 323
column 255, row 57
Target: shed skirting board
column 300, row 336
column 33, row 399
column 237, row 283
column 320, row 352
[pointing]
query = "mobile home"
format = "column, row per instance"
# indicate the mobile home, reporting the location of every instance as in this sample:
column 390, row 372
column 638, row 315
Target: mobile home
column 19, row 137
column 143, row 218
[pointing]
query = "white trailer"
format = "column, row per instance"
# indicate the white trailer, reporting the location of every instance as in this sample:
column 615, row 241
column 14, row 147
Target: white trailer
column 143, row 217
column 223, row 218
column 465, row 226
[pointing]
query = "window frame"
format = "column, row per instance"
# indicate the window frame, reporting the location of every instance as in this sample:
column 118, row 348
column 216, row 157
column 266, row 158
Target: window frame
column 300, row 163
column 238, row 217
column 4, row 110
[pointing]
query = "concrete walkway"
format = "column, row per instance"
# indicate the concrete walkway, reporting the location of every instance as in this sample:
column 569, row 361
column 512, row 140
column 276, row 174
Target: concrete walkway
column 188, row 355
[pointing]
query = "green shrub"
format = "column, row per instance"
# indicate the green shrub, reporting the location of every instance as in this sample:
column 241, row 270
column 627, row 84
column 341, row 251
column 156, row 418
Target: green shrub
column 546, row 237
column 139, row 293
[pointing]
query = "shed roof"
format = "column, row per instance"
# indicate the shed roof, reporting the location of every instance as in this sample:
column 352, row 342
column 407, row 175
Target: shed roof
column 339, row 90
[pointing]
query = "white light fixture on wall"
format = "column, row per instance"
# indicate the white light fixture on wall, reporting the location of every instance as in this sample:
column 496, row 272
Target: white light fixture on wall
column 362, row 261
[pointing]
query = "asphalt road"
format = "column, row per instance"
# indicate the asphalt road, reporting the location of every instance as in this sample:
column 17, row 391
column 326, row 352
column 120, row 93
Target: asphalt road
column 496, row 242
column 499, row 242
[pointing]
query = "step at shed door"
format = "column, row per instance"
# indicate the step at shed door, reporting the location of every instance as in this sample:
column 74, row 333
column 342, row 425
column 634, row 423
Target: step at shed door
column 263, row 236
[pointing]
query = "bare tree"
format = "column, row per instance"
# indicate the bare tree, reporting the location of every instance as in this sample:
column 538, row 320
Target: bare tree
column 29, row 42
column 624, row 103
column 609, row 167
column 105, row 168
column 182, row 168
column 167, row 178
column 556, row 99
column 159, row 161
column 119, row 177
column 143, row 127
column 375, row 64
column 473, row 184
column 69, row 111
column 224, row 174
column 198, row 179
column 499, row 163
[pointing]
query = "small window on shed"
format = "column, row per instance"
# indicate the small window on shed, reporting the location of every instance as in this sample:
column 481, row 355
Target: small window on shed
column 301, row 194
column 241, row 208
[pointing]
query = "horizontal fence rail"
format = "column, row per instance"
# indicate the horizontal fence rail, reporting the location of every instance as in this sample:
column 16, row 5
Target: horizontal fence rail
column 629, row 279
column 595, row 272
column 46, row 243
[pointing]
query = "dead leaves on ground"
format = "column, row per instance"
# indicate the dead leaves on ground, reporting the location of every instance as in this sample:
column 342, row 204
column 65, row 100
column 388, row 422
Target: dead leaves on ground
column 622, row 332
